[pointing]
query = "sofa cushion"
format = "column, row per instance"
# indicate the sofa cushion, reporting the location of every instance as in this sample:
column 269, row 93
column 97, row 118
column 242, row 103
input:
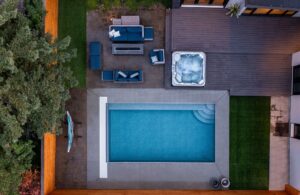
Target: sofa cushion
column 123, row 37
column 134, row 29
column 134, row 37
column 95, row 48
column 148, row 33
column 119, row 28
column 160, row 55
column 95, row 62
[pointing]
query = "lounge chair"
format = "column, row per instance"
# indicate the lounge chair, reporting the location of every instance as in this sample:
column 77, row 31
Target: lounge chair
column 148, row 33
column 157, row 56
column 107, row 75
column 95, row 50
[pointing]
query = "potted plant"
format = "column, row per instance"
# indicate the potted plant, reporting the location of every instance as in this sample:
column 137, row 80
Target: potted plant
column 234, row 10
column 235, row 7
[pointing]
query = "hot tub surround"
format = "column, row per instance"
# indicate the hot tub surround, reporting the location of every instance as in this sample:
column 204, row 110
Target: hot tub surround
column 188, row 68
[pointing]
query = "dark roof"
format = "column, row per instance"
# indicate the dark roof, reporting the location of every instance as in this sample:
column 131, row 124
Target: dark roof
column 286, row 4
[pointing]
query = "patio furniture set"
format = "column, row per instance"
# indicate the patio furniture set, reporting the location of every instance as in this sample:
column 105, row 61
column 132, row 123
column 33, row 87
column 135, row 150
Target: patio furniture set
column 128, row 37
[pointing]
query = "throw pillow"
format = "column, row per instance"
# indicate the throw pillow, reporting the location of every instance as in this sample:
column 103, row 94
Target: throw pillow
column 117, row 34
column 154, row 59
column 134, row 75
column 121, row 73
column 111, row 33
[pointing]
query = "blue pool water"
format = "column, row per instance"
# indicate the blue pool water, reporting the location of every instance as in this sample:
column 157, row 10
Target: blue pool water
column 161, row 133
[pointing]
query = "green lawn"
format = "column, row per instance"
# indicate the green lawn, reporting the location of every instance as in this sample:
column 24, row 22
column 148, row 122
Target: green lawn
column 72, row 21
column 249, row 142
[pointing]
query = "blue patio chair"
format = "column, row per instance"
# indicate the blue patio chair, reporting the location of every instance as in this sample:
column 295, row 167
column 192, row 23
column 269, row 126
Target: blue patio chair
column 70, row 131
column 107, row 75
column 157, row 56
column 148, row 33
column 95, row 57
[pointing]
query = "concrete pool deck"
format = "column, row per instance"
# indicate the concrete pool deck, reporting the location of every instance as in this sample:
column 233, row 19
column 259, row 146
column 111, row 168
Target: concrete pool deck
column 157, row 175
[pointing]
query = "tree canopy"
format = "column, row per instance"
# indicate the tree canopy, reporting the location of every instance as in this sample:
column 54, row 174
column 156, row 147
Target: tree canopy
column 34, row 86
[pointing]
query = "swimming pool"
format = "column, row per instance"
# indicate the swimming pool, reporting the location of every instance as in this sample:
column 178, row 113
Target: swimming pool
column 188, row 68
column 161, row 132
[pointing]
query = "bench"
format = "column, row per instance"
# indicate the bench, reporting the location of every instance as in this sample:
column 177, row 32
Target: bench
column 95, row 55
column 128, row 49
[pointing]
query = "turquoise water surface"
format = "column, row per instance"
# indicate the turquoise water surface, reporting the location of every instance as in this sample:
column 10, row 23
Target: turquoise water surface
column 161, row 133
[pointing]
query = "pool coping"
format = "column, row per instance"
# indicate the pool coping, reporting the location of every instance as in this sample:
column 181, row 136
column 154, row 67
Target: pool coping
column 157, row 175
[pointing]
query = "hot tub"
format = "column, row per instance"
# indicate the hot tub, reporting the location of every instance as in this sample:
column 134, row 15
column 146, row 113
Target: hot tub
column 188, row 68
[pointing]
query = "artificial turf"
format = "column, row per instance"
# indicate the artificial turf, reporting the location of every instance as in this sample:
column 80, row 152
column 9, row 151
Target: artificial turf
column 249, row 142
column 72, row 22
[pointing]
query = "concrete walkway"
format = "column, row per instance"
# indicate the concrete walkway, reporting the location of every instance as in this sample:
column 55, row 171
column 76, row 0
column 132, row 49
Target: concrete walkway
column 279, row 146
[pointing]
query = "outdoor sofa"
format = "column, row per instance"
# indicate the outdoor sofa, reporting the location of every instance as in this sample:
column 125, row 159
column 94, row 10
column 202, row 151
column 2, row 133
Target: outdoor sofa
column 123, row 76
column 131, row 33
column 127, row 33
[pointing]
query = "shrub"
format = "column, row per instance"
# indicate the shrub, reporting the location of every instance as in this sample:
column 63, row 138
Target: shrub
column 92, row 4
column 15, row 159
column 30, row 183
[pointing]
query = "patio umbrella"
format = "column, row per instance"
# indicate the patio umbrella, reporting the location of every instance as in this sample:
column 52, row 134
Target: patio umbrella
column 70, row 130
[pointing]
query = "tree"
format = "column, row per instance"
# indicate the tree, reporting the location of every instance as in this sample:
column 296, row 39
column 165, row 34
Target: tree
column 35, row 13
column 34, row 86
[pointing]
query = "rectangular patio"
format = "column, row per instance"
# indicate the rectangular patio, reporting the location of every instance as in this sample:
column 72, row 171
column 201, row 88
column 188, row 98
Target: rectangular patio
column 247, row 56
column 97, row 30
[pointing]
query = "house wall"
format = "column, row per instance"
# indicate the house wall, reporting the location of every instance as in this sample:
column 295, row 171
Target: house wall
column 295, row 143
column 295, row 99
column 295, row 163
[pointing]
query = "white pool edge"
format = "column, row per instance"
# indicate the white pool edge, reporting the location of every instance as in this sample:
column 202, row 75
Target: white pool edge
column 102, row 137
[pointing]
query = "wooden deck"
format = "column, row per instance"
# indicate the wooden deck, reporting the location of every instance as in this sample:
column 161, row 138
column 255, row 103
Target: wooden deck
column 247, row 56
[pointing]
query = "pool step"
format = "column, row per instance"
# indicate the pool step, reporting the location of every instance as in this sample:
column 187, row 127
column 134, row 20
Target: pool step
column 206, row 114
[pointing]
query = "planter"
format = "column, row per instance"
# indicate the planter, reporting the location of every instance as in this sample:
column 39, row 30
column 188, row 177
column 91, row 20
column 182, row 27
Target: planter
column 225, row 183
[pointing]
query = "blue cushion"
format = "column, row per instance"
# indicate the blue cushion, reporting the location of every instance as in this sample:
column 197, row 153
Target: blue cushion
column 94, row 62
column 94, row 48
column 148, row 33
column 134, row 29
column 119, row 28
column 134, row 37
column 160, row 56
column 123, row 37
column 107, row 75
column 152, row 53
